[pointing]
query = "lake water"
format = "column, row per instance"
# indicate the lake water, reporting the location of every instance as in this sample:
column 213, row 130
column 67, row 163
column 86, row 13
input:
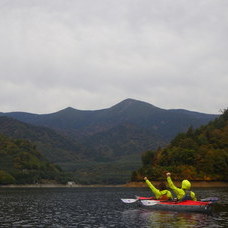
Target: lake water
column 99, row 207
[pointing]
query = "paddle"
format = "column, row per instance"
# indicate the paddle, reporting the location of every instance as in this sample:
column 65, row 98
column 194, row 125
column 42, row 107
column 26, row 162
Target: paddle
column 211, row 199
column 129, row 200
column 149, row 202
column 144, row 202
column 137, row 198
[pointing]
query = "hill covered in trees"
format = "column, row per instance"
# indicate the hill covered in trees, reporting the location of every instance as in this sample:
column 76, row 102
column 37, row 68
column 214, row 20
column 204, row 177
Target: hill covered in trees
column 200, row 154
column 101, row 146
column 21, row 163
column 85, row 124
column 51, row 144
column 126, row 128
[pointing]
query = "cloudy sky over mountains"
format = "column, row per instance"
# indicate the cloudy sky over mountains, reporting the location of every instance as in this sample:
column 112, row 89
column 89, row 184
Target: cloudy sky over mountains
column 91, row 54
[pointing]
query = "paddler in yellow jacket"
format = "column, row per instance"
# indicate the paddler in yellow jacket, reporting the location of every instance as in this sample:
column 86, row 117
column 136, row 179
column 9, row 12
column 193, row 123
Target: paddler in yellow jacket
column 162, row 193
column 182, row 193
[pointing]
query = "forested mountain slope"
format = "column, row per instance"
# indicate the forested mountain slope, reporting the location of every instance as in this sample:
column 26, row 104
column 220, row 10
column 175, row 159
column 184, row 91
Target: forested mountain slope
column 144, row 125
column 54, row 146
column 21, row 163
column 200, row 154
column 95, row 144
column 77, row 123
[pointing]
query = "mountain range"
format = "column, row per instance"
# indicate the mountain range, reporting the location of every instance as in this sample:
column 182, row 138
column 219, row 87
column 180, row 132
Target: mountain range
column 101, row 146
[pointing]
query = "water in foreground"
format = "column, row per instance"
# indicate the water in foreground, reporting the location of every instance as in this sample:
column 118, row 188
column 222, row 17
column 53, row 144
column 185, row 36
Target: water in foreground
column 99, row 207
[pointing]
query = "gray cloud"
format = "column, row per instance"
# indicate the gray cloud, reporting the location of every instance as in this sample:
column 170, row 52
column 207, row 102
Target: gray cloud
column 92, row 54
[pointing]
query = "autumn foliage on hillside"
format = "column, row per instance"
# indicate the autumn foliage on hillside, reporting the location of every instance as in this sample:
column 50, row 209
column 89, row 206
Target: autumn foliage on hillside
column 198, row 154
column 21, row 163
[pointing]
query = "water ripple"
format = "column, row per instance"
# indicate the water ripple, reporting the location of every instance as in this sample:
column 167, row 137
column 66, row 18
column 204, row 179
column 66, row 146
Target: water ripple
column 97, row 207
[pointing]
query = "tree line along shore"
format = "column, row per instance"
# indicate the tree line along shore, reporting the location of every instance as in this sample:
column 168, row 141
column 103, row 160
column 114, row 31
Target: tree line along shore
column 197, row 184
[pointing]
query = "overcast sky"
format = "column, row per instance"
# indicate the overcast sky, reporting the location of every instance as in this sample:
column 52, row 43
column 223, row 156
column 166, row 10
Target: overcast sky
column 92, row 54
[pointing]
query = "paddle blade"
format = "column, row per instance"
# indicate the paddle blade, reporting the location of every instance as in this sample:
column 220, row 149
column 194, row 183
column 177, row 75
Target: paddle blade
column 129, row 200
column 149, row 202
column 211, row 199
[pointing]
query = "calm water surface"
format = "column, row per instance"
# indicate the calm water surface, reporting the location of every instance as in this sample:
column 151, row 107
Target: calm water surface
column 99, row 207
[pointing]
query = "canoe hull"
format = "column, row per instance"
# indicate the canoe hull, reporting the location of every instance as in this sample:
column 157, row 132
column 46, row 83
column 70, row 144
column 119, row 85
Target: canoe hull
column 188, row 206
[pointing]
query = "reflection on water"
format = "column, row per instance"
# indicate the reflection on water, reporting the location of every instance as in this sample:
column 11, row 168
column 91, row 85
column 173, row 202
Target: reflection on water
column 98, row 207
column 147, row 218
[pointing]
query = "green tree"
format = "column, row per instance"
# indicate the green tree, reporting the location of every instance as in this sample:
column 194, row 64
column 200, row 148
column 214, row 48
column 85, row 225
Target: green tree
column 6, row 178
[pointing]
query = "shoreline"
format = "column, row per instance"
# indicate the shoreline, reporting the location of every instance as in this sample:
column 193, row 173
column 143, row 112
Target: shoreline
column 202, row 184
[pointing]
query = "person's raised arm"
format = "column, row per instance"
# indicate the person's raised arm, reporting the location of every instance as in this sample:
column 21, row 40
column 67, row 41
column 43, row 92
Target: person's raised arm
column 170, row 182
column 153, row 189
